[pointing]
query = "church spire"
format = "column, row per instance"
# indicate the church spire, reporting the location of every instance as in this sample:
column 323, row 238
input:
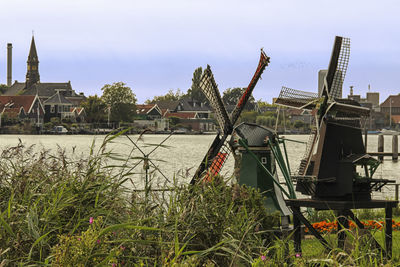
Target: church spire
column 32, row 74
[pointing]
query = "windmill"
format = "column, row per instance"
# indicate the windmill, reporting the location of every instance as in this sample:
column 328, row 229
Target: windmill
column 219, row 150
column 335, row 149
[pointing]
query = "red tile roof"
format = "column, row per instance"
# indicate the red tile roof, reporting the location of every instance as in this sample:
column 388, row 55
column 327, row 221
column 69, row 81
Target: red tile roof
column 19, row 101
column 12, row 112
column 395, row 101
column 144, row 109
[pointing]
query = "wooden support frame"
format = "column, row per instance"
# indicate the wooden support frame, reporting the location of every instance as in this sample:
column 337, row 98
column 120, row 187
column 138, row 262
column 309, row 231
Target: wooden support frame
column 344, row 212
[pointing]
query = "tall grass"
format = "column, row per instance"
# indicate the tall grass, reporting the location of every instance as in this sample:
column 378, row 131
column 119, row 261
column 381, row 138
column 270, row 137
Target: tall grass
column 47, row 199
column 44, row 194
column 61, row 210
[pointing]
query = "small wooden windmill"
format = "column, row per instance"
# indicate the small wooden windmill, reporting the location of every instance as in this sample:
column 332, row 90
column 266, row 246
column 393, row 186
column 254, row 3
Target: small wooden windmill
column 220, row 149
column 330, row 168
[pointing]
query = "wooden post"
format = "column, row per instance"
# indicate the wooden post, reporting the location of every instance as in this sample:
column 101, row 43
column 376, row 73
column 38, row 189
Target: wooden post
column 380, row 146
column 395, row 147
column 297, row 231
column 366, row 138
column 396, row 192
column 343, row 222
column 388, row 232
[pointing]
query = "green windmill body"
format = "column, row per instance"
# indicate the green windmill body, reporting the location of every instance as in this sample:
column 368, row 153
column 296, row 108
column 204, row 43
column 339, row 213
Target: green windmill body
column 257, row 164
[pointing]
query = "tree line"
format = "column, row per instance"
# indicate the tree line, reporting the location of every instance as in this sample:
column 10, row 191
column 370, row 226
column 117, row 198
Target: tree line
column 118, row 102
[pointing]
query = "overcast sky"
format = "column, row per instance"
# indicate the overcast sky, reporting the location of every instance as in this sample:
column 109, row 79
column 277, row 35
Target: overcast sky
column 155, row 45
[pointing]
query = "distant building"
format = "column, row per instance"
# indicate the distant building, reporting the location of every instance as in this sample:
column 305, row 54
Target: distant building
column 22, row 107
column 57, row 106
column 321, row 79
column 371, row 101
column 391, row 105
column 191, row 113
column 151, row 116
column 45, row 91
column 149, row 112
column 193, row 106
column 373, row 97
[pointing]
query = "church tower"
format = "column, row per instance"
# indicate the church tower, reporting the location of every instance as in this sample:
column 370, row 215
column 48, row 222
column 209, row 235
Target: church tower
column 32, row 75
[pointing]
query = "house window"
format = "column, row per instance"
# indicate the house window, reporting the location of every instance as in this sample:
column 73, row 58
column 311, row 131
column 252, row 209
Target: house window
column 52, row 109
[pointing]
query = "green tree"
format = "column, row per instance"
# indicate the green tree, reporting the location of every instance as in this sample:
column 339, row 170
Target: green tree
column 121, row 100
column 248, row 116
column 3, row 88
column 231, row 96
column 170, row 96
column 298, row 124
column 261, row 104
column 195, row 92
column 95, row 108
column 266, row 120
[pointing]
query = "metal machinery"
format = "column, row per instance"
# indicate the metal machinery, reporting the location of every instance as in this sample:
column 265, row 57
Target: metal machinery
column 335, row 165
column 258, row 147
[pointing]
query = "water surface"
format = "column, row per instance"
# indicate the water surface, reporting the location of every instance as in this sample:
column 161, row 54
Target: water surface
column 182, row 155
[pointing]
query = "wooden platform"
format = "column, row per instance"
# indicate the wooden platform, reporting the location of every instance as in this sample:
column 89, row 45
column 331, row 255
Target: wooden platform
column 344, row 212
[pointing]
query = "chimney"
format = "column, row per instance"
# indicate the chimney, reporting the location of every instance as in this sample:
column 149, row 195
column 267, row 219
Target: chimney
column 9, row 64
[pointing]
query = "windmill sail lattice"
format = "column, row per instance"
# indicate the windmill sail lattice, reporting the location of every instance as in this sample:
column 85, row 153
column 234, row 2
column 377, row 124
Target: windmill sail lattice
column 341, row 68
column 296, row 98
column 220, row 149
column 210, row 90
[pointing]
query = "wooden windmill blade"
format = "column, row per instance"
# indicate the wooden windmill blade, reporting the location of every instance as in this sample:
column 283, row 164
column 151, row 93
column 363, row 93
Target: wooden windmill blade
column 214, row 159
column 293, row 98
column 337, row 67
column 220, row 149
column 262, row 64
column 210, row 90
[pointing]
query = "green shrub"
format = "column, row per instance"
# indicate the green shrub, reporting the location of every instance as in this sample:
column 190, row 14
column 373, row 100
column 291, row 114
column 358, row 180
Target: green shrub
column 204, row 224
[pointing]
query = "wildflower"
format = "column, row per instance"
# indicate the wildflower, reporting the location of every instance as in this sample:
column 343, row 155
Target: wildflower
column 114, row 264
column 298, row 255
column 91, row 220
column 122, row 247
column 263, row 258
column 98, row 241
column 79, row 239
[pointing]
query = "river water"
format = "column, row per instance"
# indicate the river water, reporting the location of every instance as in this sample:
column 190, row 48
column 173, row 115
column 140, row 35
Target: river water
column 181, row 155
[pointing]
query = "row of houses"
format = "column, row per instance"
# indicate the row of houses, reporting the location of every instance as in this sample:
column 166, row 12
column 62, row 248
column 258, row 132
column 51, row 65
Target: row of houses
column 187, row 113
column 39, row 102
column 38, row 112
column 36, row 101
